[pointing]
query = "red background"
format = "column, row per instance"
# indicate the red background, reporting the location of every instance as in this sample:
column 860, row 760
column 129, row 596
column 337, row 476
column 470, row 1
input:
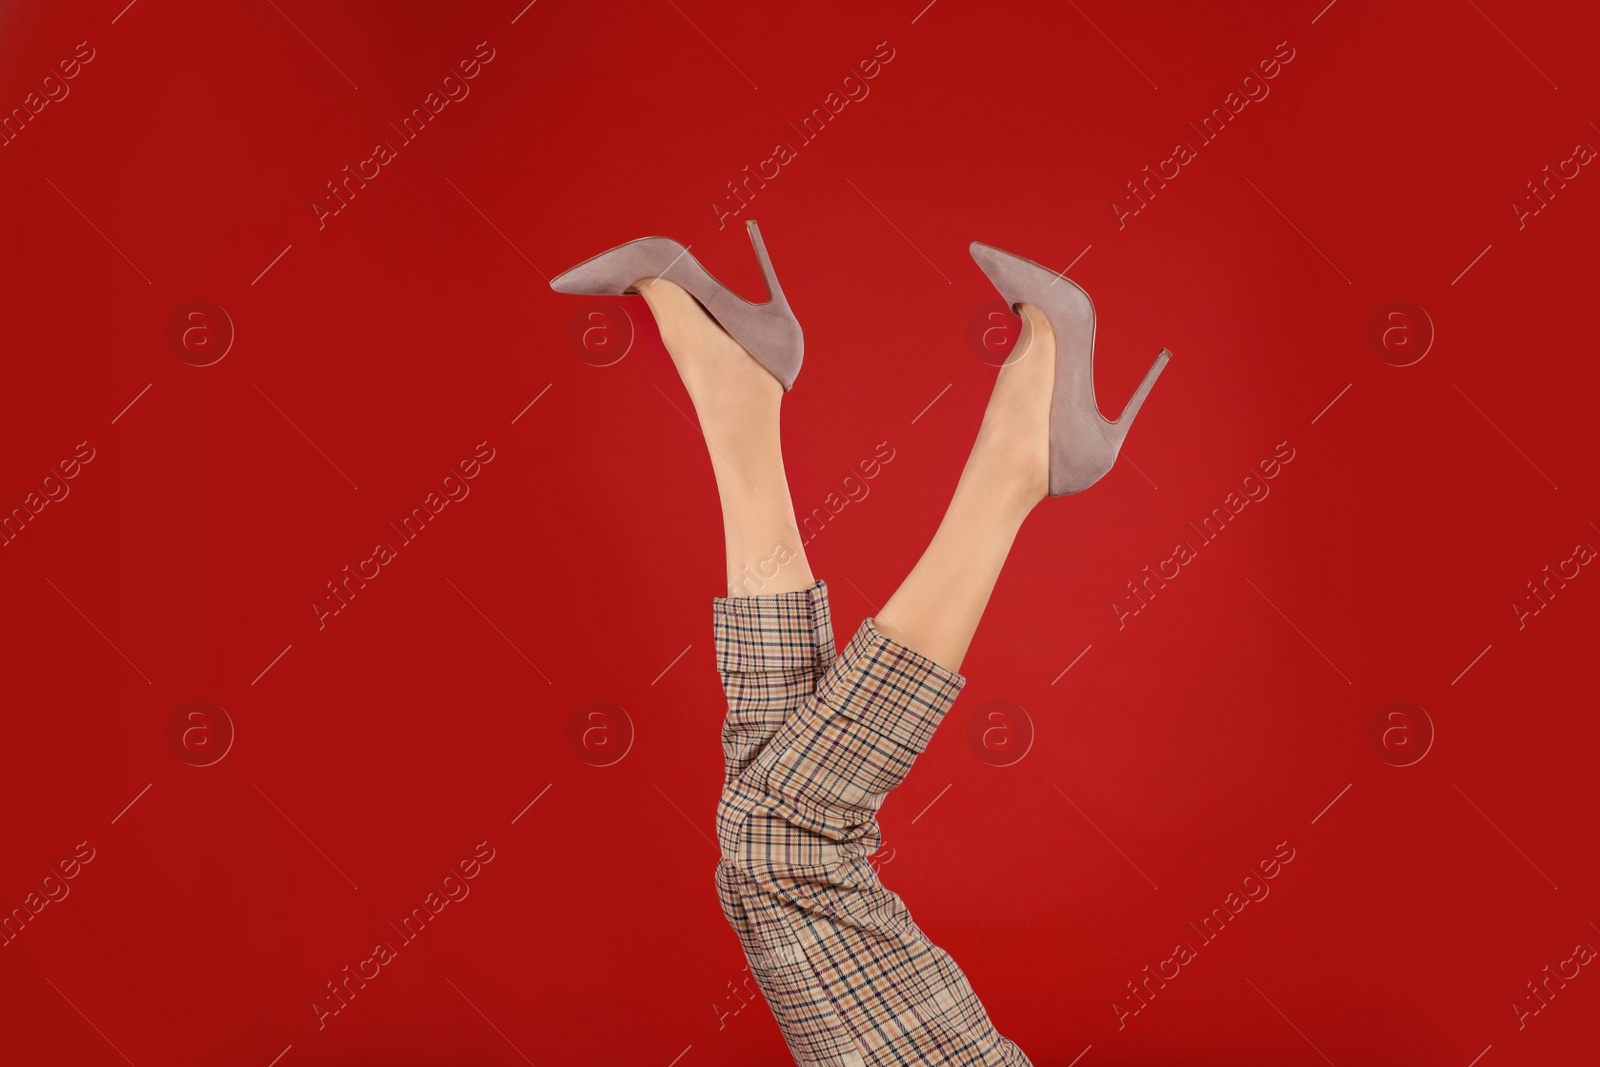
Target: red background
column 373, row 353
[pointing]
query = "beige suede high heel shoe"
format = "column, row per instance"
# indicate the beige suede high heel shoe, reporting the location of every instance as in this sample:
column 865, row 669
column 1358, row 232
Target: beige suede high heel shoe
column 768, row 331
column 1083, row 443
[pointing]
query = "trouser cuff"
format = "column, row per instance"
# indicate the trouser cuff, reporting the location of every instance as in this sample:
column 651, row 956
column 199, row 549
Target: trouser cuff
column 775, row 632
column 896, row 691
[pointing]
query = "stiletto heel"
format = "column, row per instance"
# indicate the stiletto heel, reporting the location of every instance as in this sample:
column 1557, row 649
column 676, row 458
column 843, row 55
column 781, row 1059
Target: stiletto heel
column 768, row 331
column 1083, row 443
column 1135, row 402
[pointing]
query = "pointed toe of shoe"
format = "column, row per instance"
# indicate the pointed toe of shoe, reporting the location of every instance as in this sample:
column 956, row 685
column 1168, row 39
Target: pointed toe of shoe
column 584, row 279
column 985, row 255
column 570, row 281
column 611, row 273
column 1020, row 280
column 992, row 261
column 769, row 332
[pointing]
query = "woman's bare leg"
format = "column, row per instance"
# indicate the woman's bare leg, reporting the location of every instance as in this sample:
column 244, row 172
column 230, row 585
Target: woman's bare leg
column 737, row 402
column 936, row 609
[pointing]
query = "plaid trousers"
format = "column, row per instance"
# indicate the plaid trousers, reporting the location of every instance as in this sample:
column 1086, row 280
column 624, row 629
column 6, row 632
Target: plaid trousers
column 812, row 746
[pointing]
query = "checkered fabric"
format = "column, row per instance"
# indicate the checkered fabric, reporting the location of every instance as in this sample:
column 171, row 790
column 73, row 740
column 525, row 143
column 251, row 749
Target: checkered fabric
column 813, row 745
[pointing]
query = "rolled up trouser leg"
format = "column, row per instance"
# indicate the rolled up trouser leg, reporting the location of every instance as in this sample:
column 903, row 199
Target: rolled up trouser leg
column 850, row 977
column 771, row 650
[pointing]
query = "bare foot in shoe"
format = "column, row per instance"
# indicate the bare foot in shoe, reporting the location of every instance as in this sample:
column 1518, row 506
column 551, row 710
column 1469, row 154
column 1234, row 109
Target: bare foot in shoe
column 725, row 382
column 1013, row 446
